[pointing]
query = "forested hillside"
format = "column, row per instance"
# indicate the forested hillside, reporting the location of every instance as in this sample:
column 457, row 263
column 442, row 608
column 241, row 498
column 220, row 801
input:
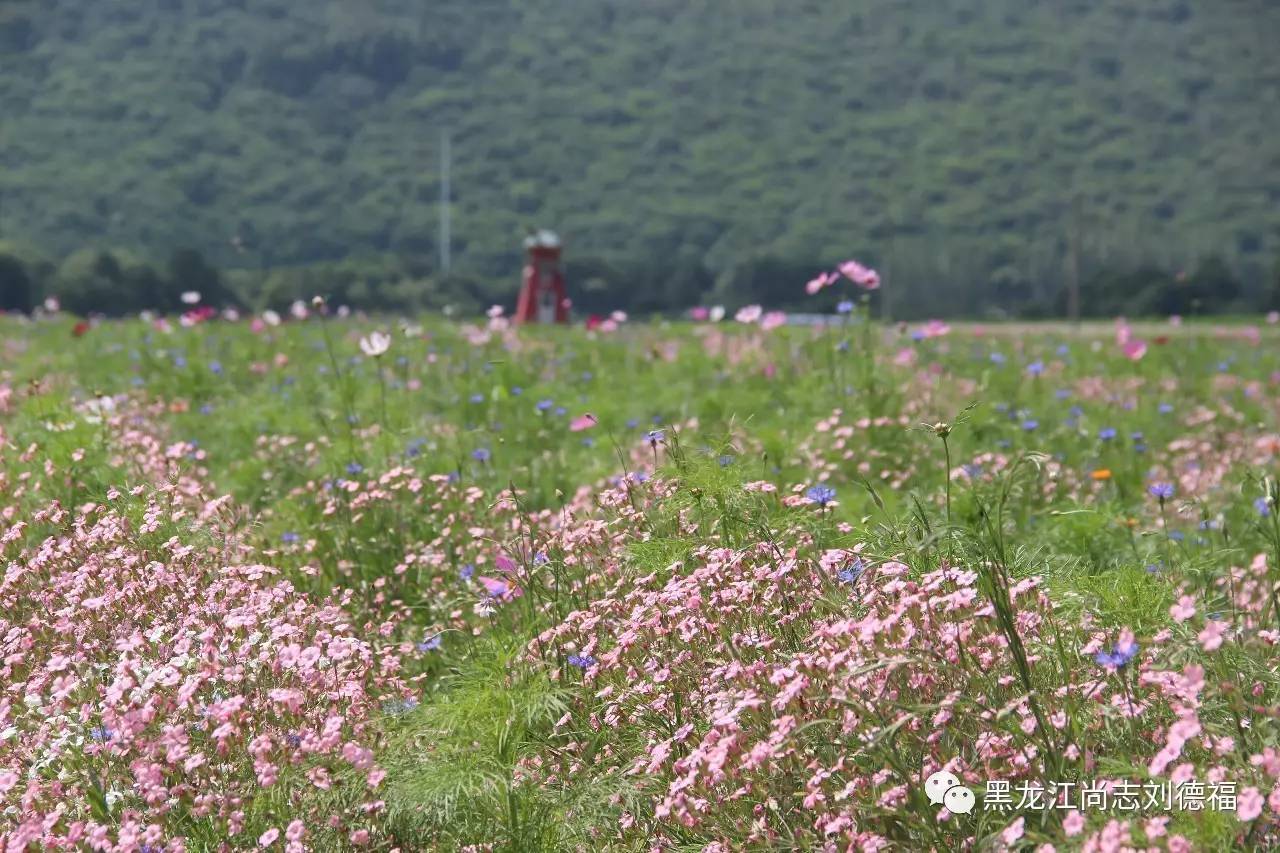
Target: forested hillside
column 974, row 149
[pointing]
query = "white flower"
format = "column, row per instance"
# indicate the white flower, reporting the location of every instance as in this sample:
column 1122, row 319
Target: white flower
column 32, row 700
column 52, row 305
column 298, row 309
column 343, row 312
column 717, row 313
column 270, row 317
column 494, row 312
column 231, row 315
column 190, row 297
column 375, row 344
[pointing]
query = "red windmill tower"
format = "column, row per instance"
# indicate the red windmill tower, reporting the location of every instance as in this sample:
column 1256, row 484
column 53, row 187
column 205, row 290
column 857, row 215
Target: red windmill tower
column 542, row 294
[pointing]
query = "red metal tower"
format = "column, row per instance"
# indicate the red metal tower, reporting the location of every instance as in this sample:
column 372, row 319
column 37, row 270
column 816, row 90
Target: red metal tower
column 542, row 293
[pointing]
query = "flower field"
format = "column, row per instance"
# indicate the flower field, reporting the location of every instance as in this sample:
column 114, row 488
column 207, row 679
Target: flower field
column 328, row 582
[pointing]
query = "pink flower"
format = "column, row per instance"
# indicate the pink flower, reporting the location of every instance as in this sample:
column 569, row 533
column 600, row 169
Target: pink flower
column 749, row 314
column 934, row 329
column 582, row 422
column 773, row 320
column 699, row 313
column 1211, row 637
column 1184, row 609
column 1013, row 831
column 1249, row 805
column 360, row 837
column 864, row 277
column 269, row 837
column 1134, row 350
column 1073, row 823
column 823, row 279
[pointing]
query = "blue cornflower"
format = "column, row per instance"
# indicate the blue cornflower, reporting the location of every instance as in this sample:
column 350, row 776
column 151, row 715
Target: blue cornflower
column 1164, row 408
column 101, row 733
column 429, row 644
column 972, row 470
column 516, row 390
column 1029, row 424
column 725, row 461
column 1035, row 368
column 1063, row 349
column 540, row 558
column 544, row 405
column 843, row 346
column 1177, row 535
column 293, row 740
column 467, row 571
column 215, row 367
column 401, row 706
column 633, row 423
column 845, row 306
column 582, row 661
column 481, row 454
column 1106, row 433
column 586, row 376
column 560, row 411
column 1063, row 394
column 1163, row 491
column 354, row 468
column 821, row 495
column 477, row 398
column 1263, row 506
column 289, row 537
column 998, row 358
column 588, row 442
column 453, row 477
column 654, row 436
column 1119, row 654
column 851, row 572
column 206, row 409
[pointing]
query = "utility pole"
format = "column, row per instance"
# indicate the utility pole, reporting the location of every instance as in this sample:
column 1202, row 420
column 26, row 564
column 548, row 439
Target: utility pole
column 445, row 260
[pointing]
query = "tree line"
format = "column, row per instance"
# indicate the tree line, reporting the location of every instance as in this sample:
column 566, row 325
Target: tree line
column 115, row 282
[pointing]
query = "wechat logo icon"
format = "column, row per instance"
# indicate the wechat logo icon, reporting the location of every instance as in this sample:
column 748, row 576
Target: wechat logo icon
column 944, row 788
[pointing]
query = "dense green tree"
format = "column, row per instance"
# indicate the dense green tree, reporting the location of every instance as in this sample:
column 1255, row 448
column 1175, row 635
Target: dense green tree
column 963, row 146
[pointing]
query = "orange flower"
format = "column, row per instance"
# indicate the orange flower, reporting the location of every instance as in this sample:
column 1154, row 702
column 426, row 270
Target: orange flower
column 1101, row 474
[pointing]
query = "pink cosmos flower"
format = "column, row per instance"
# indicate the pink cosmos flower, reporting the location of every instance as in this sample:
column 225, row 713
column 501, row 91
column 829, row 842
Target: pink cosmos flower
column 864, row 277
column 1013, row 831
column 1184, row 609
column 935, row 329
column 1134, row 349
column 773, row 320
column 1211, row 637
column 823, row 279
column 699, row 313
column 1073, row 823
column 749, row 314
column 1249, row 805
column 582, row 422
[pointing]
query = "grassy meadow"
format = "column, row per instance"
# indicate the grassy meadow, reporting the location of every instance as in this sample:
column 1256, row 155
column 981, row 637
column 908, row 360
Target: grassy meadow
column 330, row 583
